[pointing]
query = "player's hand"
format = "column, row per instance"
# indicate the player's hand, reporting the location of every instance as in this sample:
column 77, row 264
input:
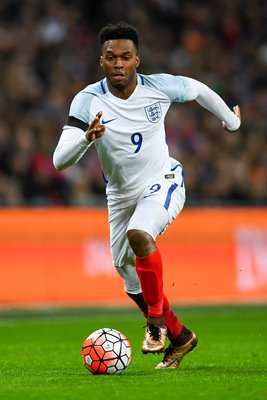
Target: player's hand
column 237, row 112
column 95, row 130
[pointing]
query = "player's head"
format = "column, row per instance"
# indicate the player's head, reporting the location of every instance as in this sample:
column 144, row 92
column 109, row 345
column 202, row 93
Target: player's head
column 119, row 59
column 120, row 30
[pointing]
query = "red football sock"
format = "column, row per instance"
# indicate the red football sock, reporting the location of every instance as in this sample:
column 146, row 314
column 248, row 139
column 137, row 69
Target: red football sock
column 149, row 271
column 171, row 320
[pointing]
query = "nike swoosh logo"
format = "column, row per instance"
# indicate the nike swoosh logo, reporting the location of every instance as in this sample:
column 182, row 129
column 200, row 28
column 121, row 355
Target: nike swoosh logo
column 108, row 120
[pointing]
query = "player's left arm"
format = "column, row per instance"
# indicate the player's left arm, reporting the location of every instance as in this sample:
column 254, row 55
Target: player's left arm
column 207, row 98
column 237, row 112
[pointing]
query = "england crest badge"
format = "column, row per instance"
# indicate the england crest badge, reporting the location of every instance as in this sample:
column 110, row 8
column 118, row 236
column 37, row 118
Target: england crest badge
column 153, row 112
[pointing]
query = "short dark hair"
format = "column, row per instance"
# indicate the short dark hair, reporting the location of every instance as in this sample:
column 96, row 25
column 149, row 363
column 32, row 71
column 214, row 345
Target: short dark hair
column 119, row 30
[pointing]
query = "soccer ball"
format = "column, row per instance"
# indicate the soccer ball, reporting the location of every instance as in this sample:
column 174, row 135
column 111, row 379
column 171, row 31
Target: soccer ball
column 106, row 351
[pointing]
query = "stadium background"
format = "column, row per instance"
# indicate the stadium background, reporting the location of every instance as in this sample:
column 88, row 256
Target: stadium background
column 48, row 52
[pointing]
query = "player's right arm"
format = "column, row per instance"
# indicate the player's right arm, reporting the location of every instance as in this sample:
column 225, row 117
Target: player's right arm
column 96, row 129
column 74, row 142
column 81, row 130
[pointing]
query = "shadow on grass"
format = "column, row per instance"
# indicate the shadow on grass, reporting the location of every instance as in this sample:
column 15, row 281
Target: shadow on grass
column 226, row 370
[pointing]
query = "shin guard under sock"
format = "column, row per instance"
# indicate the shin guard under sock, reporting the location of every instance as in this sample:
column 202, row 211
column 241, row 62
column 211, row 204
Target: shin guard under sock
column 149, row 271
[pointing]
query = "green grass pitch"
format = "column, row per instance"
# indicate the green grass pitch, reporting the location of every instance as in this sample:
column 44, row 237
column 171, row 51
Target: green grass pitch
column 40, row 356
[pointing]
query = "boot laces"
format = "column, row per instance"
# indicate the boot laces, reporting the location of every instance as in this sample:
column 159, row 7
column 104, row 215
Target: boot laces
column 154, row 332
column 168, row 352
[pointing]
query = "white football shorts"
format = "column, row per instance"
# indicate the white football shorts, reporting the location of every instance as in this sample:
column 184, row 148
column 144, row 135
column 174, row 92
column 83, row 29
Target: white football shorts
column 155, row 209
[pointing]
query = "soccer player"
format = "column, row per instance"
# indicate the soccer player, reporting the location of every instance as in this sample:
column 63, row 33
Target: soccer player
column 123, row 116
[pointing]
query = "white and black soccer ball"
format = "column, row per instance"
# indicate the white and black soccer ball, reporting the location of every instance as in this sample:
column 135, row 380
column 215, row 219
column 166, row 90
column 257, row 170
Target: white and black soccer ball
column 106, row 351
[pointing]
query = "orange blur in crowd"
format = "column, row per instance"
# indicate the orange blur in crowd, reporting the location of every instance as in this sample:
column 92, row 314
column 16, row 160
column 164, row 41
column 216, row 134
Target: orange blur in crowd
column 62, row 257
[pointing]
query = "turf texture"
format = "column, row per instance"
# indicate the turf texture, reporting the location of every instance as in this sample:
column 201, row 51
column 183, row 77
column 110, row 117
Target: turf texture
column 40, row 356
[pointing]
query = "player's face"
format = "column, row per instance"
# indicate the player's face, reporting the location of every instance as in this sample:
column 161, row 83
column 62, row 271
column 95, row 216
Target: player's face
column 120, row 60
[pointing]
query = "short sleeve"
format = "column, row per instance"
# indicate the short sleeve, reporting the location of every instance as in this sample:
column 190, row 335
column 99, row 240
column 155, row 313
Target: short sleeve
column 80, row 106
column 177, row 88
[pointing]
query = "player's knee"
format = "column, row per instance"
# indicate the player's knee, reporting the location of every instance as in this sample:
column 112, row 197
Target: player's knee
column 138, row 237
column 141, row 242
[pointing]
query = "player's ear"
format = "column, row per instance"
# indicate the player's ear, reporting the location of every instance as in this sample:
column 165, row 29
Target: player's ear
column 137, row 60
column 101, row 61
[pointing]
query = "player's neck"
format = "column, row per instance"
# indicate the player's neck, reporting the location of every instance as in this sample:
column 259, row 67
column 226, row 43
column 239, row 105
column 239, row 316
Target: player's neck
column 123, row 93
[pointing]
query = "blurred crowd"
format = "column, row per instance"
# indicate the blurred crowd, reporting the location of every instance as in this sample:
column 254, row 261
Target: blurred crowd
column 49, row 51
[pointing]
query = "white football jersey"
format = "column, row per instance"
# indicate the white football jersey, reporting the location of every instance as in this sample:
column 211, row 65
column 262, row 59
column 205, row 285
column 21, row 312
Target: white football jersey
column 133, row 152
